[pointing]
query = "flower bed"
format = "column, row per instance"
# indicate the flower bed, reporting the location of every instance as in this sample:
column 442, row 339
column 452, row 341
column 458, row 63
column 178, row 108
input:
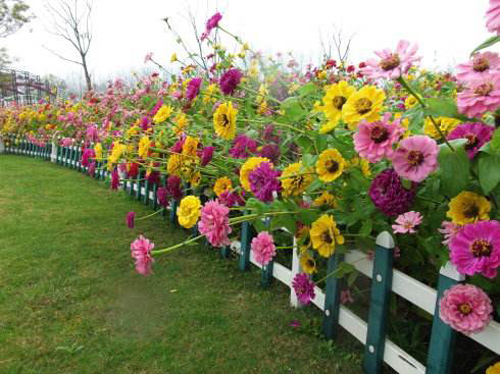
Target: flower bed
column 333, row 155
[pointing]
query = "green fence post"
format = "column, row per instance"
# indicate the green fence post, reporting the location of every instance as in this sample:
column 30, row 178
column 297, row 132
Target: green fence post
column 173, row 211
column 442, row 343
column 379, row 304
column 146, row 191
column 155, row 196
column 224, row 251
column 247, row 234
column 139, row 185
column 332, row 298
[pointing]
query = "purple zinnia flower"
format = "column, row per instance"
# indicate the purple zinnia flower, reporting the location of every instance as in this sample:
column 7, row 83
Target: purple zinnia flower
column 130, row 220
column 304, row 288
column 87, row 154
column 270, row 151
column 92, row 169
column 177, row 147
column 264, row 182
column 174, row 187
column 389, row 195
column 477, row 135
column 193, row 88
column 153, row 177
column 207, row 155
column 230, row 199
column 162, row 196
column 243, row 147
column 229, row 80
column 212, row 23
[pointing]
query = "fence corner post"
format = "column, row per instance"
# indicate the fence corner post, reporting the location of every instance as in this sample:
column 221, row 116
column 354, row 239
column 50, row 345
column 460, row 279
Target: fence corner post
column 296, row 269
column 54, row 152
column 379, row 304
column 442, row 342
column 332, row 298
column 2, row 146
column 246, row 238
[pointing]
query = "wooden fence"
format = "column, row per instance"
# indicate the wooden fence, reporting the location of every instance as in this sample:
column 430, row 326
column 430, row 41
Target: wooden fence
column 385, row 279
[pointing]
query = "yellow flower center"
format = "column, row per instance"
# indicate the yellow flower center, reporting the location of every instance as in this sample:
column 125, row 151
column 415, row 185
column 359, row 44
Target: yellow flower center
column 390, row 62
column 481, row 248
column 484, row 89
column 339, row 101
column 363, row 106
column 480, row 64
column 379, row 134
column 415, row 158
column 465, row 308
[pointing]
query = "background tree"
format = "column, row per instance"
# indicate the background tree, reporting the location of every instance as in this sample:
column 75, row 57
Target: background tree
column 13, row 15
column 71, row 21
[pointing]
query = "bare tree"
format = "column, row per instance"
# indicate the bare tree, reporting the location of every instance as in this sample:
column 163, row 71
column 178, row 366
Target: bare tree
column 341, row 43
column 71, row 21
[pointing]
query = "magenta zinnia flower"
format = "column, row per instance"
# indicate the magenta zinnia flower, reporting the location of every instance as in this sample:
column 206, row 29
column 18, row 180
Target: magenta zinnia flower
column 449, row 230
column 477, row 135
column 493, row 17
column 214, row 223
column 392, row 64
column 270, row 151
column 130, row 220
column 141, row 251
column 207, row 155
column 162, row 196
column 212, row 23
column 263, row 248
column 229, row 199
column 243, row 147
column 482, row 96
column 115, row 179
column 264, row 182
column 193, row 88
column 466, row 308
column 416, row 157
column 476, row 248
column 407, row 222
column 174, row 187
column 480, row 67
column 374, row 140
column 230, row 80
column 389, row 195
column 304, row 288
column 92, row 169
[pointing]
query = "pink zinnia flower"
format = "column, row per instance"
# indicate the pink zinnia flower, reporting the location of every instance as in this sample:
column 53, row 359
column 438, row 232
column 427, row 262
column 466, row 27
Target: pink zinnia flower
column 407, row 222
column 212, row 23
column 392, row 64
column 449, row 230
column 416, row 157
column 481, row 66
column 346, row 297
column 92, row 169
column 466, row 308
column 130, row 220
column 493, row 17
column 263, row 248
column 476, row 248
column 193, row 88
column 214, row 223
column 141, row 251
column 230, row 80
column 115, row 179
column 304, row 288
column 482, row 96
column 477, row 135
column 374, row 140
column 148, row 57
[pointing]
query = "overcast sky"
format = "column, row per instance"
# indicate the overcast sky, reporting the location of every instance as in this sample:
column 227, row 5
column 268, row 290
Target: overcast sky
column 125, row 30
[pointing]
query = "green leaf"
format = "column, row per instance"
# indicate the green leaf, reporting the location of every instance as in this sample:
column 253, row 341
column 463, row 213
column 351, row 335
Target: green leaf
column 305, row 143
column 307, row 89
column 309, row 160
column 352, row 278
column 489, row 172
column 293, row 109
column 366, row 228
column 495, row 141
column 308, row 216
column 488, row 43
column 455, row 170
column 439, row 107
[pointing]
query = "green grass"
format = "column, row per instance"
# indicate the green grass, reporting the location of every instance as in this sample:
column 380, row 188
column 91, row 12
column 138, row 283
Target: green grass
column 71, row 302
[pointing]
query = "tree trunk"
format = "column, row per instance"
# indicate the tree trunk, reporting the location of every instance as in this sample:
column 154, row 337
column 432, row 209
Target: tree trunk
column 86, row 72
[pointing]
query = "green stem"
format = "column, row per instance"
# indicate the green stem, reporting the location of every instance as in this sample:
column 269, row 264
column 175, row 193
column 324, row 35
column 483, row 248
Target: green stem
column 150, row 215
column 165, row 250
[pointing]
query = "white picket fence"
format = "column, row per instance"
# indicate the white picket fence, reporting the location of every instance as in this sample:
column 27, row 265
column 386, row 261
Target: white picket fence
column 403, row 285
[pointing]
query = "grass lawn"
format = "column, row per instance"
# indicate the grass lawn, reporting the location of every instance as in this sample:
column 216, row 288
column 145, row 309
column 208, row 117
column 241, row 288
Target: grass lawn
column 71, row 302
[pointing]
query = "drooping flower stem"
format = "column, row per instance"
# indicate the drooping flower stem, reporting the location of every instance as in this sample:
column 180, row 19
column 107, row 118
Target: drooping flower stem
column 422, row 103
column 150, row 215
column 165, row 250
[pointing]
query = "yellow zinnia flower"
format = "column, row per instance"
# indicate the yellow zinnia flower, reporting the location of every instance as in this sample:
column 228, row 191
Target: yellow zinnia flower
column 410, row 102
column 225, row 121
column 364, row 104
column 144, row 147
column 162, row 114
column 116, row 152
column 181, row 121
column 307, row 263
column 247, row 168
column 326, row 198
column 98, row 152
column 468, row 207
column 294, row 181
column 222, row 184
column 335, row 97
column 495, row 369
column 330, row 165
column 190, row 146
column 174, row 164
column 189, row 211
column 325, row 234
column 445, row 124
